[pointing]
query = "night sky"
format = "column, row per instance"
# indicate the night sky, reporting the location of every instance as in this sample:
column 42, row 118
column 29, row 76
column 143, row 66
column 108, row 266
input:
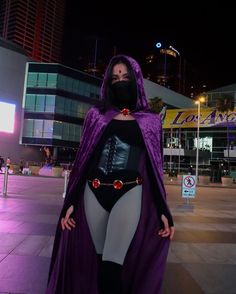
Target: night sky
column 205, row 36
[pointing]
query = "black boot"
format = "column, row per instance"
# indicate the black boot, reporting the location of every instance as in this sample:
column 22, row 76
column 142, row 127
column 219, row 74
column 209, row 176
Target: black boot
column 99, row 276
column 110, row 280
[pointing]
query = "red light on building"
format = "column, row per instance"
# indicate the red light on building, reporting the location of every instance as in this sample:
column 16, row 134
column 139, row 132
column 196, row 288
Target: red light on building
column 37, row 26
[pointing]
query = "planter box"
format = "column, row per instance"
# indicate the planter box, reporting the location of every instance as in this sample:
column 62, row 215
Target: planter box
column 57, row 171
column 34, row 169
column 15, row 168
column 226, row 181
column 203, row 180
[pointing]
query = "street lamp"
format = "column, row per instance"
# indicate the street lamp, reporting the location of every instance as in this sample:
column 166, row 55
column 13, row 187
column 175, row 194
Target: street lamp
column 200, row 100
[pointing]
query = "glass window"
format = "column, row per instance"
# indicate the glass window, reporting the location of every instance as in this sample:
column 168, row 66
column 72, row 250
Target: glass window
column 87, row 90
column 97, row 90
column 38, row 128
column 82, row 109
column 50, row 103
column 52, row 80
column 47, row 129
column 71, row 132
column 32, row 79
column 76, row 86
column 65, row 132
column 82, row 88
column 30, row 102
column 69, row 84
column 40, row 103
column 73, row 111
column 42, row 80
column 68, row 107
column 61, row 82
column 60, row 101
column 78, row 130
column 93, row 91
column 28, row 128
column 57, row 129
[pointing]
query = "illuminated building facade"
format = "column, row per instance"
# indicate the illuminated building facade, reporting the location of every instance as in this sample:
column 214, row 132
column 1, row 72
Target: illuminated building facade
column 36, row 26
column 55, row 103
column 47, row 102
column 164, row 67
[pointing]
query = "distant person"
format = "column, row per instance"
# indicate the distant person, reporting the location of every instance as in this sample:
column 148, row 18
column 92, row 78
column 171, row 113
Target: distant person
column 190, row 170
column 1, row 163
column 115, row 226
column 8, row 162
column 21, row 166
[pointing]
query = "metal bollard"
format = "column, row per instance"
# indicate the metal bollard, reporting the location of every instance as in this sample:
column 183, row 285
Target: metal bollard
column 4, row 192
column 66, row 176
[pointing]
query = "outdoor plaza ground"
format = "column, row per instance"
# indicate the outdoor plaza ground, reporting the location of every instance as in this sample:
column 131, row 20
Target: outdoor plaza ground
column 202, row 257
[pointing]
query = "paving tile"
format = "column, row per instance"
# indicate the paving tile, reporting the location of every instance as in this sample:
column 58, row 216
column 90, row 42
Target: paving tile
column 31, row 245
column 204, row 219
column 214, row 279
column 204, row 237
column 226, row 227
column 215, row 253
column 47, row 249
column 7, row 226
column 9, row 242
column 185, row 253
column 2, row 256
column 36, row 218
column 201, row 257
column 35, row 229
column 178, row 280
column 24, row 274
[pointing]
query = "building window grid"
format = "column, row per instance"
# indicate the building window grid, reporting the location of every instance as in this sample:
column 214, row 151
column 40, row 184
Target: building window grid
column 43, row 80
column 56, row 104
column 219, row 142
column 66, row 131
column 38, row 128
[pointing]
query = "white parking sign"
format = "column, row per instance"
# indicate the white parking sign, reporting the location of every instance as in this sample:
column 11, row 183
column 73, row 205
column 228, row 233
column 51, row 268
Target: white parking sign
column 188, row 186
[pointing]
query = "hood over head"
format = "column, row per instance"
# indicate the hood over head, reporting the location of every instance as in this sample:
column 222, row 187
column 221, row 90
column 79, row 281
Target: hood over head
column 136, row 78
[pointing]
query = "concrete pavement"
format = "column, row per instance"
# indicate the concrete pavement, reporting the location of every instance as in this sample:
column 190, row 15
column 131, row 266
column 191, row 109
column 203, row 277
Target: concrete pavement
column 202, row 258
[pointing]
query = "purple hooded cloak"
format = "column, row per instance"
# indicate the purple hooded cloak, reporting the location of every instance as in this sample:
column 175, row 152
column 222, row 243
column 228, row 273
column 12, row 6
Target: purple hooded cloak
column 73, row 267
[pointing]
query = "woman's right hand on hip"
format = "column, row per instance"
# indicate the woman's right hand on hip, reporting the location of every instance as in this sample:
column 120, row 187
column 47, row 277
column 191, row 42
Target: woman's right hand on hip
column 67, row 222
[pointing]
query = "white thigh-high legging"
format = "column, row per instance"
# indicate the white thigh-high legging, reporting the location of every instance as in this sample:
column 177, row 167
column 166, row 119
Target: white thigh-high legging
column 113, row 232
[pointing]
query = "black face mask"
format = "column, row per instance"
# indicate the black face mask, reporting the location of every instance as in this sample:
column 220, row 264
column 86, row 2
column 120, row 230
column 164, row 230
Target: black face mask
column 123, row 95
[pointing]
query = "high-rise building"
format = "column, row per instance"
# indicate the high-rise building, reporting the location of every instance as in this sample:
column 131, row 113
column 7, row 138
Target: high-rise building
column 164, row 67
column 35, row 25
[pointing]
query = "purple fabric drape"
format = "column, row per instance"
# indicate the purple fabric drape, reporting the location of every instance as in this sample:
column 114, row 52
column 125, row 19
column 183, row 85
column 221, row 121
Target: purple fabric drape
column 73, row 265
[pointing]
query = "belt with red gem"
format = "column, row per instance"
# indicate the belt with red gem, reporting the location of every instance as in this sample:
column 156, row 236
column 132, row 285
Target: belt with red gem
column 117, row 184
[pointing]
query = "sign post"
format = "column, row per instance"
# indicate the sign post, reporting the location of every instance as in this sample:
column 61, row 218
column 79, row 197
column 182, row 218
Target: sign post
column 5, row 182
column 188, row 187
column 66, row 179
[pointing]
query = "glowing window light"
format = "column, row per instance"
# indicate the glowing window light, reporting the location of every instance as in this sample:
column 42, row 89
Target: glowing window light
column 7, row 117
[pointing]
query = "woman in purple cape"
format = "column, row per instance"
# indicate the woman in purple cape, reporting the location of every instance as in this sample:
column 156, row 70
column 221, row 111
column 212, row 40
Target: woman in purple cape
column 115, row 227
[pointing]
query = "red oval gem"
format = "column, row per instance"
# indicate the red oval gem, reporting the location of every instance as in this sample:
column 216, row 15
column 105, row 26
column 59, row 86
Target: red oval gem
column 125, row 111
column 96, row 183
column 139, row 180
column 117, row 184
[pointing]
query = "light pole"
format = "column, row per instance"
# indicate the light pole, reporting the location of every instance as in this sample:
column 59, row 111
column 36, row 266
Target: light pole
column 200, row 100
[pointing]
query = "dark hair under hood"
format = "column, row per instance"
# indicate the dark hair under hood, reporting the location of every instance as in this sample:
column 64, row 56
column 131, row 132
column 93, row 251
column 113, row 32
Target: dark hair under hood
column 142, row 103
